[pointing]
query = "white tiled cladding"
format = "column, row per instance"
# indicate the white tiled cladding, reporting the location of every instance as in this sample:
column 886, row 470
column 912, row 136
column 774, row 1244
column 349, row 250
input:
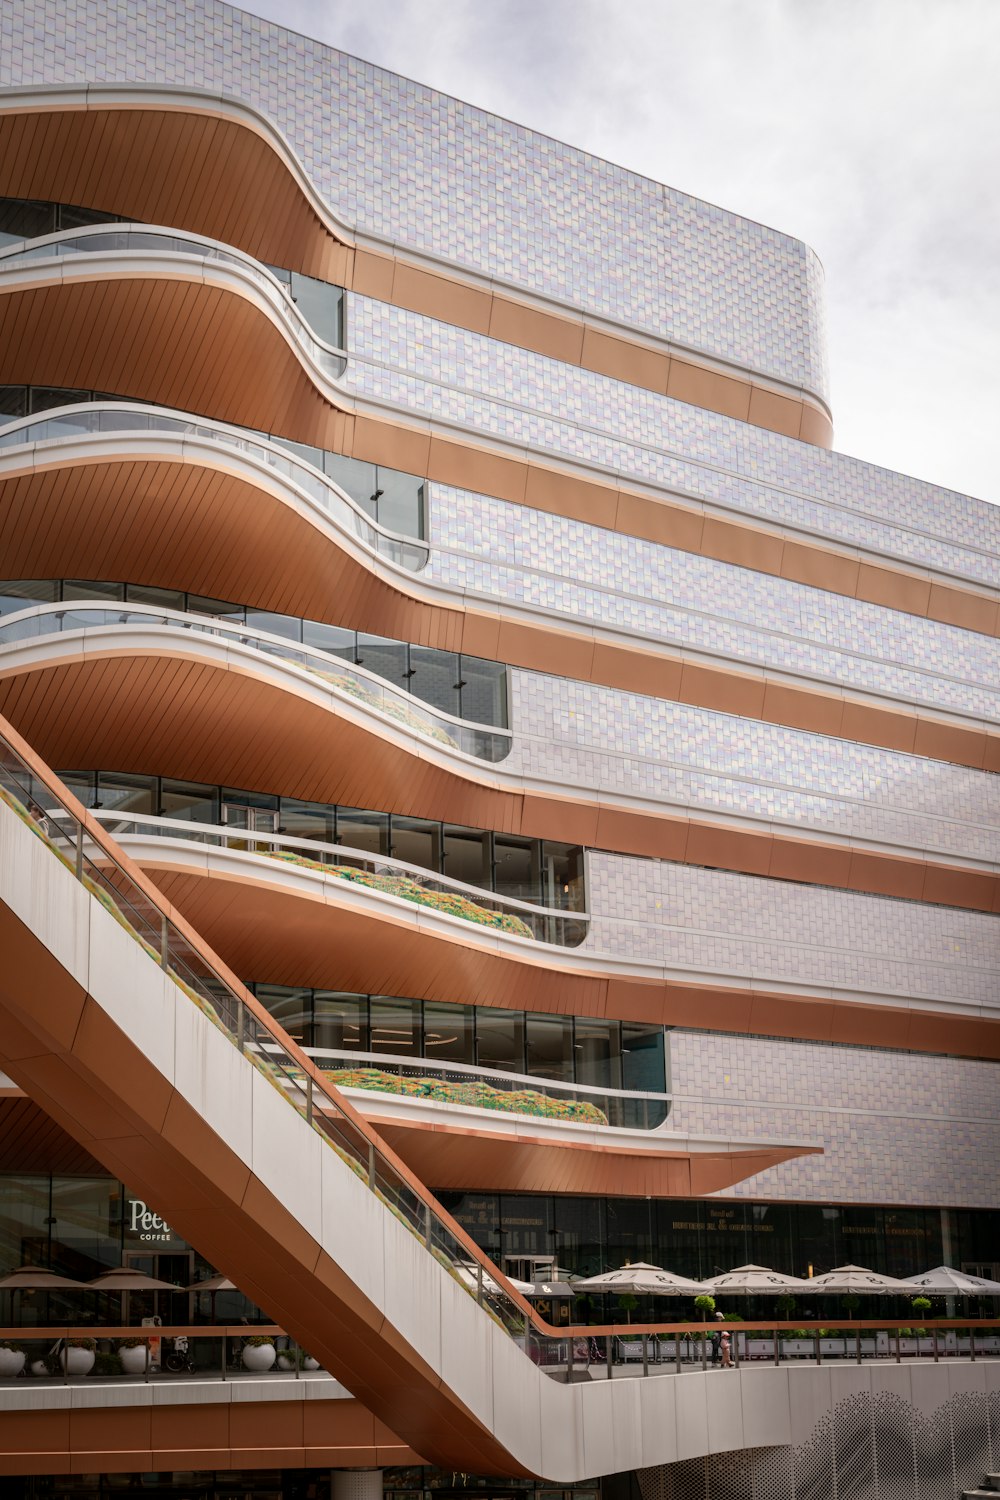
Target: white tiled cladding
column 528, row 399
column 649, row 747
column 779, row 932
column 896, row 1127
column 404, row 162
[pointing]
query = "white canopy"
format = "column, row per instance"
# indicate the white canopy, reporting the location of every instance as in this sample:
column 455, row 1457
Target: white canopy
column 642, row 1280
column 946, row 1281
column 467, row 1275
column 757, row 1280
column 856, row 1279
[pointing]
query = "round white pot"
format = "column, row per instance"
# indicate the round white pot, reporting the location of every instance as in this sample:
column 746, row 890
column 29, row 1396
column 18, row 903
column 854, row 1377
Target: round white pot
column 11, row 1361
column 134, row 1360
column 309, row 1363
column 77, row 1361
column 39, row 1367
column 285, row 1361
column 258, row 1356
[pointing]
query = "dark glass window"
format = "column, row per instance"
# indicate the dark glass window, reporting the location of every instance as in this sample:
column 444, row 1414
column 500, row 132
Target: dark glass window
column 70, row 216
column 25, row 219
column 395, row 1025
column 562, row 876
column 22, row 593
column 354, row 477
column 400, row 502
column 466, row 854
column 514, row 867
column 500, row 1039
column 123, row 793
column 305, row 451
column 286, row 626
column 46, row 397
column 340, row 1021
column 597, row 1045
column 307, row 820
column 434, row 677
column 484, row 691
column 549, row 1046
column 386, row 658
column 417, row 840
column 322, row 306
column 449, row 1032
column 13, row 398
column 220, row 609
column 291, row 1007
column 189, row 799
column 141, row 593
column 85, row 588
column 332, row 638
column 83, row 785
column 359, row 829
column 643, row 1064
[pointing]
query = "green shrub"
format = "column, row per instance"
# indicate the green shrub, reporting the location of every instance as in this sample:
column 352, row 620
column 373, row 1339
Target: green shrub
column 132, row 1343
column 704, row 1304
column 921, row 1304
column 12, row 1345
column 107, row 1364
column 80, row 1344
column 478, row 1094
column 258, row 1340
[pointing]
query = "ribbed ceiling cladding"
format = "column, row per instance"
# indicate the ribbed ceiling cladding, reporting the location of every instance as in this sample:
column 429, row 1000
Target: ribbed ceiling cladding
column 31, row 1141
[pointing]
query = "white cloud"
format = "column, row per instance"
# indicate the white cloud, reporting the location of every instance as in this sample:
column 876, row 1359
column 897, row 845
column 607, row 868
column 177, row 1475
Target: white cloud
column 869, row 130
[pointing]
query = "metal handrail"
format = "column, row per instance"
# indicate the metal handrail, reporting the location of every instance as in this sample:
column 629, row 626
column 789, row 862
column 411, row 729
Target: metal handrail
column 88, row 419
column 546, row 923
column 120, row 239
column 345, row 679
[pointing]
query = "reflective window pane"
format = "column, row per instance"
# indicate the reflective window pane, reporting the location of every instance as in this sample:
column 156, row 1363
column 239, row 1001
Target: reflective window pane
column 401, row 502
column 307, row 820
column 354, row 477
column 417, row 841
column 434, row 678
column 291, row 1008
column 484, row 691
column 562, row 876
column 395, row 1025
column 549, row 1046
column 360, row 829
column 13, row 398
column 643, row 1065
column 449, row 1032
column 321, row 304
column 46, row 397
column 222, row 609
column 287, row 626
column 141, row 593
column 189, row 799
column 332, row 638
column 387, row 658
column 86, row 588
column 500, row 1039
column 513, row 867
column 340, row 1021
column 18, row 593
column 597, row 1053
column 70, row 216
column 466, row 854
column 25, row 219
column 125, row 793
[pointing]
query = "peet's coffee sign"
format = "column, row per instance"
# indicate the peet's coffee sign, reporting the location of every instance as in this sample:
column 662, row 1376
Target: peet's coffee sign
column 142, row 1224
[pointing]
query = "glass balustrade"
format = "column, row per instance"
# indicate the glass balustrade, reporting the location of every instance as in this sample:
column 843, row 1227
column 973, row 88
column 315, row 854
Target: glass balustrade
column 392, row 877
column 478, row 741
column 106, row 418
column 153, row 241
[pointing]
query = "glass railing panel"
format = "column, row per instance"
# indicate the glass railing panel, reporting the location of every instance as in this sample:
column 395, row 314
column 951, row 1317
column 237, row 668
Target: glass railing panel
column 347, row 679
column 99, row 418
column 391, row 876
column 148, row 241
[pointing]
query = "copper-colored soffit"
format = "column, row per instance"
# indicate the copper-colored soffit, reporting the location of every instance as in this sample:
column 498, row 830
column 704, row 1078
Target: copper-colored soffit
column 217, row 168
column 275, row 926
column 57, row 335
column 174, row 703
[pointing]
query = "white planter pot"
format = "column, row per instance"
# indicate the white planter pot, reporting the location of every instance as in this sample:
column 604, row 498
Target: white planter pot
column 77, row 1361
column 258, row 1356
column 39, row 1367
column 134, row 1360
column 309, row 1363
column 11, row 1361
column 285, row 1361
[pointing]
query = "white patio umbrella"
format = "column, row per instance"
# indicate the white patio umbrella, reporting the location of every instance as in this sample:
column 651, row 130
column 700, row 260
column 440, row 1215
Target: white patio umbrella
column 756, row 1280
column 467, row 1275
column 641, row 1279
column 945, row 1281
column 856, row 1279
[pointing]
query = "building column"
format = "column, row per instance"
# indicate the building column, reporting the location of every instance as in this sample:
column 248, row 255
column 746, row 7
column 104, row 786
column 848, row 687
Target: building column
column 355, row 1484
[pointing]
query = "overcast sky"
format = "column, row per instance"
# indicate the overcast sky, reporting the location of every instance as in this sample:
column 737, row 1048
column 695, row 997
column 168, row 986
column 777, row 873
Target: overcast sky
column 868, row 128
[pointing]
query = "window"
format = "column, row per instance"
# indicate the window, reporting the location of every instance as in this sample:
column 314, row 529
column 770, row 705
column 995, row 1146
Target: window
column 449, row 1032
column 359, row 829
column 340, row 1021
column 500, row 1039
column 417, row 841
column 25, row 219
column 395, row 1025
column 322, row 306
column 307, row 820
column 549, row 1046
column 189, row 799
column 127, row 794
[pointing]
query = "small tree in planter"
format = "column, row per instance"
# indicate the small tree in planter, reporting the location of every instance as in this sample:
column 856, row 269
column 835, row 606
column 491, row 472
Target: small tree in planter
column 11, row 1358
column 259, row 1352
column 77, row 1356
column 851, row 1302
column 628, row 1302
column 134, row 1355
column 921, row 1306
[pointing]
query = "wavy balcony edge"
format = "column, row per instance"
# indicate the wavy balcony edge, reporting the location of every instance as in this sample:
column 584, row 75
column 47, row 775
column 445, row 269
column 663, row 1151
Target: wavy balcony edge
column 343, row 936
column 303, row 228
column 394, row 600
column 317, row 410
column 383, row 760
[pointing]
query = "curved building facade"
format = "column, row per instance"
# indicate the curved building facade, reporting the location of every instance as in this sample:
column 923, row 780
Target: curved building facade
column 425, row 563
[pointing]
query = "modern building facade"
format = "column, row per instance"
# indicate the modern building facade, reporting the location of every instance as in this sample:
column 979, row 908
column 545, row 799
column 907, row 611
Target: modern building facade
column 424, row 556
